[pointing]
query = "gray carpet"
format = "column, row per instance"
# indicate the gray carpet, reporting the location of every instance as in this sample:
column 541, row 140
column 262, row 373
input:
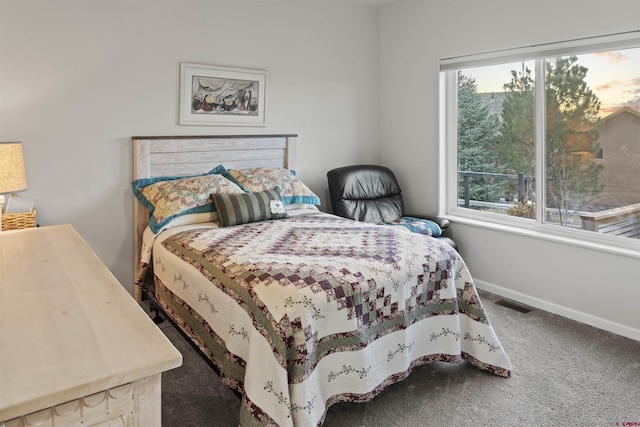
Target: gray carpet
column 565, row 374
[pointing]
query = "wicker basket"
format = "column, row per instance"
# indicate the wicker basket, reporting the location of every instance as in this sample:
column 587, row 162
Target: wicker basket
column 19, row 220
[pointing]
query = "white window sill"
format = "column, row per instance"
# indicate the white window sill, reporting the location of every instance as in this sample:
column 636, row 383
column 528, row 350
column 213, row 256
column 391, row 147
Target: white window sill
column 627, row 247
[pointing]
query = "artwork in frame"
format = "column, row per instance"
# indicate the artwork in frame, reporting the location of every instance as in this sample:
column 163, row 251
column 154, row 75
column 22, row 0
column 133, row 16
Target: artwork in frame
column 222, row 96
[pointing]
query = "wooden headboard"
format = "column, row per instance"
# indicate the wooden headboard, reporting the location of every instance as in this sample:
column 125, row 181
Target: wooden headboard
column 155, row 156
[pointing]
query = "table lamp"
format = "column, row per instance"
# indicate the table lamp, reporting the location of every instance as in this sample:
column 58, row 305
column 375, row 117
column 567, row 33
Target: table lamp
column 12, row 174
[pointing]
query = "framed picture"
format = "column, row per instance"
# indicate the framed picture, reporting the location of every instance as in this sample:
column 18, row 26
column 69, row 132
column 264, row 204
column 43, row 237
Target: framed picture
column 222, row 96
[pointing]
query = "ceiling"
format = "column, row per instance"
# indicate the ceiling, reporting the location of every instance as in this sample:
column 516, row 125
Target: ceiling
column 368, row 3
column 375, row 3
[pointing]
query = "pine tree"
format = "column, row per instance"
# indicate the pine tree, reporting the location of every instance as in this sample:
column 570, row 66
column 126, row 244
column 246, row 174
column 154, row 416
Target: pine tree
column 477, row 133
column 516, row 149
column 571, row 132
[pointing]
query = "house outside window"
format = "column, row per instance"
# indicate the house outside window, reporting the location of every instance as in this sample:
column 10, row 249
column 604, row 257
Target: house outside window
column 547, row 138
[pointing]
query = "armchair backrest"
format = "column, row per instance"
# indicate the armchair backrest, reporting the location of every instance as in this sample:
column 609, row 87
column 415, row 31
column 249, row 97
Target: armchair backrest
column 367, row 193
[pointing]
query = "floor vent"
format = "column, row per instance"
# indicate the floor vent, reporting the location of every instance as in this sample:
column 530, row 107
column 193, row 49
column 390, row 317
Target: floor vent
column 514, row 305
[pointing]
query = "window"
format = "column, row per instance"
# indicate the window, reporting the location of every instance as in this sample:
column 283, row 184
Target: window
column 548, row 138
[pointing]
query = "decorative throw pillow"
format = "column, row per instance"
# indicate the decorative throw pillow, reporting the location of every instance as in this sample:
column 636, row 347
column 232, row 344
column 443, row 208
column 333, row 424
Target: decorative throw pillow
column 174, row 196
column 418, row 225
column 234, row 209
column 292, row 190
column 143, row 182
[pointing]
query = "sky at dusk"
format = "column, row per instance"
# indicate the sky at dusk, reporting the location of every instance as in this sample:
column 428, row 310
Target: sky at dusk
column 613, row 76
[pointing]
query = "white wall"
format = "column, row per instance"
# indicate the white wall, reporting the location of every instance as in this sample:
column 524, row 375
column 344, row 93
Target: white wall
column 79, row 78
column 596, row 287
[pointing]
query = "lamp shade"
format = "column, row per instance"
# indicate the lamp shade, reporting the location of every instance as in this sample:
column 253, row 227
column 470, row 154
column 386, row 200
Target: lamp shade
column 12, row 174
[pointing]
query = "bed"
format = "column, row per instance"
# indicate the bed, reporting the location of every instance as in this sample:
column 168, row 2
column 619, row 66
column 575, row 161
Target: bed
column 302, row 309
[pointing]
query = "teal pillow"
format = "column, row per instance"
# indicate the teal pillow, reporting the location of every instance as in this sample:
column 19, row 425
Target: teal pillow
column 168, row 197
column 418, row 225
column 292, row 189
column 143, row 182
column 235, row 209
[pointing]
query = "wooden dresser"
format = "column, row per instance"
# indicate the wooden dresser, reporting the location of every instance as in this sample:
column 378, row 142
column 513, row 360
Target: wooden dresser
column 75, row 348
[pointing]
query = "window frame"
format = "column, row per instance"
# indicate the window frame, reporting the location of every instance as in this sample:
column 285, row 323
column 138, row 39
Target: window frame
column 449, row 154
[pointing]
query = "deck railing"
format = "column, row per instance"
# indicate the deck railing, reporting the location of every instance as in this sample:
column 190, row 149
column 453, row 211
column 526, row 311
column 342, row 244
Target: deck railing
column 522, row 179
column 622, row 221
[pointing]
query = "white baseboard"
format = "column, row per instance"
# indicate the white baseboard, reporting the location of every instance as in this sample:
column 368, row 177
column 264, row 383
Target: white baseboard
column 560, row 310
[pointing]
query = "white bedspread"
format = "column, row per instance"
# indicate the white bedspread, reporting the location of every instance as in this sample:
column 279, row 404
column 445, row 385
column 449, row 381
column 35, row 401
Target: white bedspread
column 305, row 312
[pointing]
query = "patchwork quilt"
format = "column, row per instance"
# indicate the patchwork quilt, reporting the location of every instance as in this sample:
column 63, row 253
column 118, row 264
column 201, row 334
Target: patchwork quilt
column 304, row 312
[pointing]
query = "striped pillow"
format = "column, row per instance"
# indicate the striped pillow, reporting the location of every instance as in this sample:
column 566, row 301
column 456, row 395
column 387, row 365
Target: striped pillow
column 234, row 209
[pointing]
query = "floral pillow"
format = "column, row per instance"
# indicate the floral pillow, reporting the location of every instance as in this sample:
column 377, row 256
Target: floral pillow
column 418, row 225
column 171, row 197
column 292, row 190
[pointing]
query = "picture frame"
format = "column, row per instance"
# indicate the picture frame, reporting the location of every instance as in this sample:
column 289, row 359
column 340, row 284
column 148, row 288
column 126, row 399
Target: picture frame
column 222, row 96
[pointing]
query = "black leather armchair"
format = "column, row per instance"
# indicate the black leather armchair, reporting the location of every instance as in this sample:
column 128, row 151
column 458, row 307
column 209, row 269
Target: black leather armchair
column 371, row 193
